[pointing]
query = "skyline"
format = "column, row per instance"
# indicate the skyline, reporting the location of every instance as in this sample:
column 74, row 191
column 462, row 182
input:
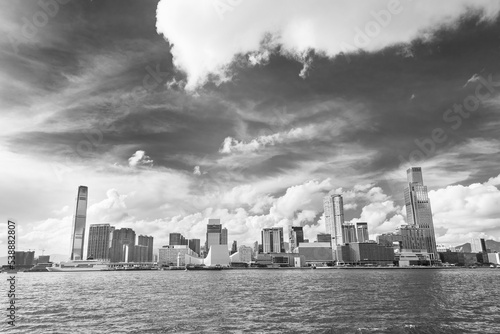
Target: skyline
column 170, row 118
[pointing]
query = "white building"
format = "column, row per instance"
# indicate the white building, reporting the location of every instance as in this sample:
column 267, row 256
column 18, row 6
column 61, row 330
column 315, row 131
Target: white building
column 494, row 258
column 167, row 255
column 244, row 254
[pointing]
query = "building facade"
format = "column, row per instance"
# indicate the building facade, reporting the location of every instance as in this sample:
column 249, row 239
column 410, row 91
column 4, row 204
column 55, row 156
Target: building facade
column 295, row 236
column 195, row 246
column 272, row 240
column 147, row 241
column 168, row 255
column 362, row 232
column 122, row 245
column 100, row 236
column 80, row 219
column 333, row 206
column 216, row 235
column 418, row 209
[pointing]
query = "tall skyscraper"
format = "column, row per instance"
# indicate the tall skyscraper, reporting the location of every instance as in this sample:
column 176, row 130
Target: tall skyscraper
column 216, row 235
column 418, row 209
column 122, row 245
column 334, row 218
column 145, row 240
column 295, row 236
column 80, row 219
column 99, row 241
column 362, row 232
column 272, row 240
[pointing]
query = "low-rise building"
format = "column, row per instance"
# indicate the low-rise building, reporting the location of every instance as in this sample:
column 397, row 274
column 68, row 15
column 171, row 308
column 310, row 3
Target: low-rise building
column 316, row 253
column 364, row 253
column 167, row 255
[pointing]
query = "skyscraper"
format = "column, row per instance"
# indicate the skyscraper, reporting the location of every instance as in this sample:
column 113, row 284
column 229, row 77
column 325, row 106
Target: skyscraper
column 334, row 218
column 216, row 235
column 272, row 240
column 122, row 245
column 418, row 209
column 295, row 236
column 362, row 231
column 349, row 233
column 176, row 239
column 78, row 235
column 223, row 236
column 145, row 240
column 99, row 241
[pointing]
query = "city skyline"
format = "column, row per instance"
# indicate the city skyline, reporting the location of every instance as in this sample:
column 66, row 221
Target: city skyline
column 171, row 118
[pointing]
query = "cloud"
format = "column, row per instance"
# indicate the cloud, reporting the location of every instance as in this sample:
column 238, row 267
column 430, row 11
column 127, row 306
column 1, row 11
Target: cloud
column 196, row 170
column 206, row 35
column 140, row 158
column 473, row 79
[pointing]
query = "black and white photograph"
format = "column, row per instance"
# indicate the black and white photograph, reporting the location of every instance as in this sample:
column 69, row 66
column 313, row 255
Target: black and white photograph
column 250, row 166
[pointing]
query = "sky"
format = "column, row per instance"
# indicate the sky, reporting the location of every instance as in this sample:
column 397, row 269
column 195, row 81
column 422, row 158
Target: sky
column 176, row 111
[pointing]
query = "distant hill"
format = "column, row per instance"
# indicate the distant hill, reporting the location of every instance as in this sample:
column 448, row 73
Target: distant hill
column 53, row 258
column 490, row 244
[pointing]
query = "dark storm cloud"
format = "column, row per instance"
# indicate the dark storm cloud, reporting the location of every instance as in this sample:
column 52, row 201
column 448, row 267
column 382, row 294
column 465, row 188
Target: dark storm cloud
column 381, row 101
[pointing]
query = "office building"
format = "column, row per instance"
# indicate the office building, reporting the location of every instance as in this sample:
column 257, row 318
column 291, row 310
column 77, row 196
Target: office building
column 100, row 236
column 478, row 245
column 272, row 240
column 176, row 239
column 168, row 255
column 223, row 236
column 334, row 217
column 295, row 236
column 234, row 247
column 44, row 259
column 362, row 232
column 324, row 237
column 216, row 235
column 365, row 254
column 122, row 245
column 79, row 221
column 418, row 209
column 24, row 258
column 194, row 245
column 349, row 232
column 147, row 241
column 316, row 253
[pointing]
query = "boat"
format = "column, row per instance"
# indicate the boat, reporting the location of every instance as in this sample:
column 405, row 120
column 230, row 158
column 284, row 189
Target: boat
column 79, row 265
column 202, row 267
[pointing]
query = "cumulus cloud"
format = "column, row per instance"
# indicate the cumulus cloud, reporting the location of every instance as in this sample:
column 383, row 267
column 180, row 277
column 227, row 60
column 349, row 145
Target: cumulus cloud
column 206, row 35
column 140, row 158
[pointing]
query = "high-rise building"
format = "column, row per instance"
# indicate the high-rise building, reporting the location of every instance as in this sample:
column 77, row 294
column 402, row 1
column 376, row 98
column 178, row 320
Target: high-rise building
column 295, row 236
column 272, row 240
column 334, row 218
column 418, row 209
column 362, row 232
column 223, row 236
column 145, row 240
column 122, row 245
column 194, row 245
column 216, row 235
column 234, row 247
column 99, row 241
column 176, row 239
column 78, row 235
column 349, row 233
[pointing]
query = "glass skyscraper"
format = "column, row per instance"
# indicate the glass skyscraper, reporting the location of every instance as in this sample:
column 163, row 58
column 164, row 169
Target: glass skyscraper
column 334, row 218
column 78, row 235
column 418, row 209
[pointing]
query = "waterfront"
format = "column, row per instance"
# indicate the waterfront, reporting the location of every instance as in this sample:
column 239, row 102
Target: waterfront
column 254, row 301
